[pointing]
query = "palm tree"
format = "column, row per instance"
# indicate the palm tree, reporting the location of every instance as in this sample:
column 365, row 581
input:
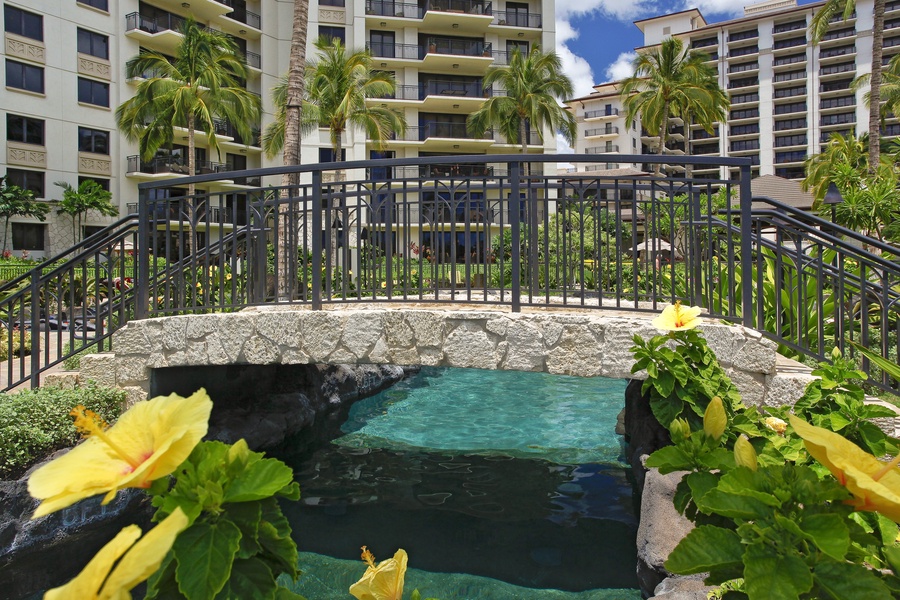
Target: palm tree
column 534, row 86
column 820, row 168
column 337, row 87
column 712, row 109
column 201, row 85
column 76, row 202
column 672, row 81
column 890, row 88
column 18, row 202
column 818, row 27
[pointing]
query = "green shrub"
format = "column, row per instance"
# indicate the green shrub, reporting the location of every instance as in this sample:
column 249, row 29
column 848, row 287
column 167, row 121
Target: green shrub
column 36, row 423
column 21, row 345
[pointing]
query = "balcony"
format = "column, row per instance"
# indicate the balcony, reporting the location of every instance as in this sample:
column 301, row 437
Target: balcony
column 845, row 67
column 789, row 43
column 243, row 16
column 836, row 52
column 788, row 27
column 844, row 118
column 825, row 136
column 789, row 108
column 743, row 82
column 743, row 67
column 781, row 62
column 608, row 149
column 841, row 85
column 254, row 61
column 751, row 129
column 514, row 18
column 789, row 76
column 442, row 137
column 740, row 115
column 162, row 33
column 838, row 35
column 534, row 139
column 750, row 34
column 602, row 132
column 464, row 57
column 790, row 156
column 607, row 113
column 744, row 98
column 463, row 16
column 702, row 134
column 704, row 43
column 217, row 214
column 171, row 165
column 737, row 52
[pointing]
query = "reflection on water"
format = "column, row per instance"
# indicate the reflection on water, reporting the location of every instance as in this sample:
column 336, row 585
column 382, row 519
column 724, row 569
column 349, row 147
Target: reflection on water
column 532, row 522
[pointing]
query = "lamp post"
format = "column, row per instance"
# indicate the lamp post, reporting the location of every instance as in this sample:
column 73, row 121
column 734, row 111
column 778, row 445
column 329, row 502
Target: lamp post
column 832, row 198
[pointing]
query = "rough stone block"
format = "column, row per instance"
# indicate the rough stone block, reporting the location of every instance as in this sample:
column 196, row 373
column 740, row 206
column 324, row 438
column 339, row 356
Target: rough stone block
column 199, row 326
column 320, row 333
column 131, row 339
column 785, row 388
column 281, row 327
column 134, row 394
column 660, row 529
column 100, row 368
column 66, row 380
column 174, row 333
column 470, row 346
column 577, row 353
column 131, row 369
column 234, row 331
column 428, row 328
column 755, row 355
column 752, row 386
column 525, row 347
column 361, row 331
column 397, row 330
column 259, row 350
column 723, row 340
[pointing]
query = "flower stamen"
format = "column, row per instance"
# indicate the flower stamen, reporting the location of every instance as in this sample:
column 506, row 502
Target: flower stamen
column 88, row 423
column 368, row 557
column 884, row 470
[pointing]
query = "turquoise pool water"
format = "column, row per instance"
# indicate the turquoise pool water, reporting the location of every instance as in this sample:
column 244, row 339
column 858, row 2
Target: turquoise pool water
column 499, row 485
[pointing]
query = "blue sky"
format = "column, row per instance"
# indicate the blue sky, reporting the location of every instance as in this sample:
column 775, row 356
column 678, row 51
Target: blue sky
column 596, row 38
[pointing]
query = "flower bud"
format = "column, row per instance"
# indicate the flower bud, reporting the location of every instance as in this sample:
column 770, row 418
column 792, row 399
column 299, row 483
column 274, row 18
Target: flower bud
column 714, row 419
column 744, row 454
column 679, row 430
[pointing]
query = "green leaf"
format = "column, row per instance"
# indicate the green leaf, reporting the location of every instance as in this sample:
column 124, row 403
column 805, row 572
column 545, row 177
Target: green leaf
column 250, row 579
column 769, row 576
column 286, row 594
column 260, row 478
column 246, row 515
column 415, row 595
column 873, row 438
column 891, row 368
column 700, row 483
column 162, row 583
column 847, row 581
column 734, row 507
column 704, row 548
column 838, row 421
column 892, row 556
column 828, row 532
column 204, row 552
column 275, row 538
column 666, row 409
column 664, row 384
column 745, row 482
column 668, row 459
column 875, row 411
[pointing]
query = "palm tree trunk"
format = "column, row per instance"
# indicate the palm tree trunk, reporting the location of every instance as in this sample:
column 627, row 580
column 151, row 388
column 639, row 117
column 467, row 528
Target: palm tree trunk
column 875, row 88
column 663, row 133
column 689, row 166
column 5, row 233
column 286, row 250
column 337, row 148
column 190, row 206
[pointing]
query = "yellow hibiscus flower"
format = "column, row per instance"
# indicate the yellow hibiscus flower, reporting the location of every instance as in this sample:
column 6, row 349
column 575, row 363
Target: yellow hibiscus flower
column 678, row 318
column 148, row 442
column 103, row 579
column 875, row 485
column 384, row 582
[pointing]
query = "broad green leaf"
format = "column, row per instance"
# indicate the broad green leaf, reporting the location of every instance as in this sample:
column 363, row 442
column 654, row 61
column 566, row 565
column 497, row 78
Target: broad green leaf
column 891, row 368
column 768, row 576
column 246, row 515
column 664, row 385
column 875, row 411
column 828, row 532
column 892, row 555
column 668, row 459
column 873, row 438
column 290, row 491
column 666, row 409
column 704, row 548
column 700, row 483
column 286, row 594
column 260, row 478
column 652, row 370
column 204, row 552
column 250, row 578
column 838, row 421
column 415, row 595
column 281, row 551
column 847, row 581
column 734, row 507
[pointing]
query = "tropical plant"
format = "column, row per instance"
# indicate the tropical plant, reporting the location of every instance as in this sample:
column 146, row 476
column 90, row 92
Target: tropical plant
column 672, row 81
column 840, row 150
column 88, row 196
column 871, row 203
column 196, row 89
column 18, row 202
column 818, row 27
column 534, row 84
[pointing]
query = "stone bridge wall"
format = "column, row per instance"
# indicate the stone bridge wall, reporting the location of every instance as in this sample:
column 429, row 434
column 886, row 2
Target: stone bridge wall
column 553, row 341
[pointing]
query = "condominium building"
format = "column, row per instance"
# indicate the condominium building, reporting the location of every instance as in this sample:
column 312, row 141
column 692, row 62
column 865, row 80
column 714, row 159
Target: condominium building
column 787, row 96
column 65, row 62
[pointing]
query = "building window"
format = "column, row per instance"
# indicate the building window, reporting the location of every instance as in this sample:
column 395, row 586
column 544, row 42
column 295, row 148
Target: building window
column 93, row 140
column 98, row 4
column 93, row 92
column 326, row 155
column 331, row 2
column 517, row 14
column 24, row 77
column 25, row 130
column 92, row 43
column 28, row 236
column 103, row 183
column 331, row 33
column 27, row 180
column 23, row 23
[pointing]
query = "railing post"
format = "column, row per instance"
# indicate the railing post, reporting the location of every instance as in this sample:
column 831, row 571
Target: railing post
column 142, row 271
column 746, row 196
column 316, row 235
column 515, row 219
column 35, row 335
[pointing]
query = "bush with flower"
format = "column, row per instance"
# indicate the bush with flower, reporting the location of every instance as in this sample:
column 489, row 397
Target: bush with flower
column 783, row 508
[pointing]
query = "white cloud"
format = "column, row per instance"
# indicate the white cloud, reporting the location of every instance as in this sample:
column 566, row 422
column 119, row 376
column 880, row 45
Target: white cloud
column 621, row 68
column 562, row 146
column 731, row 8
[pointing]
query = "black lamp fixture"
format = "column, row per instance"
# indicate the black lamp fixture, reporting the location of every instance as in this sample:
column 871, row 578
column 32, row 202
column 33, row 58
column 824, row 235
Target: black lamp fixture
column 832, row 198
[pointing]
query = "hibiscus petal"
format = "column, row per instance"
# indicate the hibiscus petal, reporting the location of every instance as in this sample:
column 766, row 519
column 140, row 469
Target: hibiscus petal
column 86, row 584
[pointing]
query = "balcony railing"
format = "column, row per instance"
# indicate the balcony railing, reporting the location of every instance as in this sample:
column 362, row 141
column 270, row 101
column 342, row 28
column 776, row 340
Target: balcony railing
column 792, row 26
column 790, row 60
column 789, row 43
column 457, row 47
column 608, row 112
column 437, row 87
column 473, row 7
column 436, row 129
column 173, row 164
column 166, row 22
column 743, row 35
column 242, row 15
column 601, row 131
column 751, row 66
column 839, row 51
column 513, row 18
column 388, row 8
column 735, row 52
column 841, row 33
column 838, row 68
column 253, row 60
column 602, row 149
column 392, row 50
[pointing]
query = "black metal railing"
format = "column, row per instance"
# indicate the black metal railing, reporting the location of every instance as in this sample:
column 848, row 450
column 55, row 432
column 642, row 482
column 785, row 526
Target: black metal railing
column 596, row 114
column 473, row 7
column 494, row 230
column 457, row 47
column 156, row 24
column 515, row 18
column 389, row 8
column 242, row 15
